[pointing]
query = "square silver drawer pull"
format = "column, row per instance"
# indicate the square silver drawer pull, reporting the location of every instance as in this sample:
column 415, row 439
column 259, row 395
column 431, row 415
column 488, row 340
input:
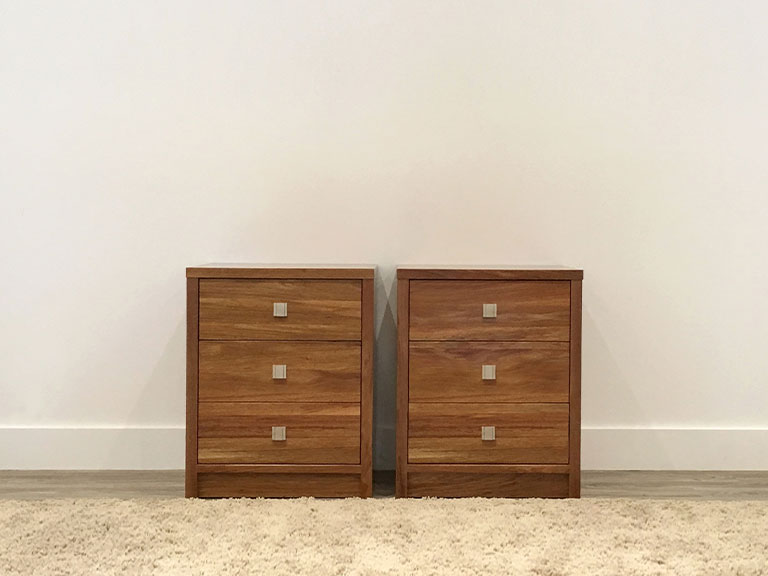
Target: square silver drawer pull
column 489, row 310
column 488, row 432
column 279, row 371
column 278, row 433
column 280, row 309
column 489, row 371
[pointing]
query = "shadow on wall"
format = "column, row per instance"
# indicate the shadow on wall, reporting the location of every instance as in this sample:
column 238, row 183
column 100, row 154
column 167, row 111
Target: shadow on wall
column 160, row 405
column 385, row 371
column 607, row 382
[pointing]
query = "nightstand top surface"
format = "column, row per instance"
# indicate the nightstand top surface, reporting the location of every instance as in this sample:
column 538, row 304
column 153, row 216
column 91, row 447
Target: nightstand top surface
column 299, row 271
column 489, row 272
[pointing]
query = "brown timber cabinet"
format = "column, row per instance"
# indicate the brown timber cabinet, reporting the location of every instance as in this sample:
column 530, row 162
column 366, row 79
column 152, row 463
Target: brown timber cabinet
column 489, row 382
column 279, row 381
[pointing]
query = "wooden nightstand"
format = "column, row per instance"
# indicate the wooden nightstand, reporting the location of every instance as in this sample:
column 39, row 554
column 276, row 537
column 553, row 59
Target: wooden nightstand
column 279, row 381
column 489, row 382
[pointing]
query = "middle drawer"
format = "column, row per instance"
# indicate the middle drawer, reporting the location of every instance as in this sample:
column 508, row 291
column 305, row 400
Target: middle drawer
column 244, row 371
column 488, row 372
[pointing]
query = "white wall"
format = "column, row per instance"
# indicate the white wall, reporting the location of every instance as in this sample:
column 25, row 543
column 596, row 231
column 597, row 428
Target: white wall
column 627, row 138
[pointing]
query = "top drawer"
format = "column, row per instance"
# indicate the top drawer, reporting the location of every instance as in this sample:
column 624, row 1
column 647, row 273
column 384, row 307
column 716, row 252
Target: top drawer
column 315, row 309
column 525, row 310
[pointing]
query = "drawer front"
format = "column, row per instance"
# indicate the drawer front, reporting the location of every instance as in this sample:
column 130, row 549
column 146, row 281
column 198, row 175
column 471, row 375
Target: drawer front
column 523, row 372
column 242, row 432
column 525, row 310
column 451, row 433
column 242, row 371
column 245, row 309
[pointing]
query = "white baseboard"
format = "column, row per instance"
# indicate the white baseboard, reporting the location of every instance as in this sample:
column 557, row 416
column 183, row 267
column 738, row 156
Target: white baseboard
column 602, row 449
column 674, row 449
column 92, row 448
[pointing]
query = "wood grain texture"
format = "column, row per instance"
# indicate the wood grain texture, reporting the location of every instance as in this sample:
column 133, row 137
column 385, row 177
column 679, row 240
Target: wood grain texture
column 680, row 485
column 326, row 401
column 243, row 309
column 240, row 419
column 281, row 468
column 492, row 468
column 316, row 371
column 241, row 433
column 525, row 372
column 77, row 484
column 401, row 432
column 443, row 402
column 525, row 433
column 288, row 485
column 298, row 450
column 366, row 398
column 284, row 271
column 190, row 479
column 488, row 273
column 575, row 391
column 485, row 485
column 526, row 310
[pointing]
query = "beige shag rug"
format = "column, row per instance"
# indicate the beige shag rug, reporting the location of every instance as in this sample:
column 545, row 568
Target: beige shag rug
column 383, row 536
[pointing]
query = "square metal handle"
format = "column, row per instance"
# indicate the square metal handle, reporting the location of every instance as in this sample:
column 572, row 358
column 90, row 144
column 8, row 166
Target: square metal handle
column 278, row 433
column 488, row 432
column 489, row 371
column 279, row 371
column 489, row 310
column 280, row 309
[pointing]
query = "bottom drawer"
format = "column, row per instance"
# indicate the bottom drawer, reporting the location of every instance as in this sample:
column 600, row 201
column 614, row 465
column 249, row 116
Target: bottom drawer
column 242, row 433
column 452, row 433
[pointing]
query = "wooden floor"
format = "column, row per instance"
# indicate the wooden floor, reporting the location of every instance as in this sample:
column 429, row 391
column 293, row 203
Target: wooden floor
column 595, row 484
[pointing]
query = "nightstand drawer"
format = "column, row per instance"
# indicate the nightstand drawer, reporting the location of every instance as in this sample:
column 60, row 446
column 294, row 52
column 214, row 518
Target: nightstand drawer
column 515, row 433
column 280, row 309
column 250, row 371
column 489, row 372
column 490, row 310
column 276, row 433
